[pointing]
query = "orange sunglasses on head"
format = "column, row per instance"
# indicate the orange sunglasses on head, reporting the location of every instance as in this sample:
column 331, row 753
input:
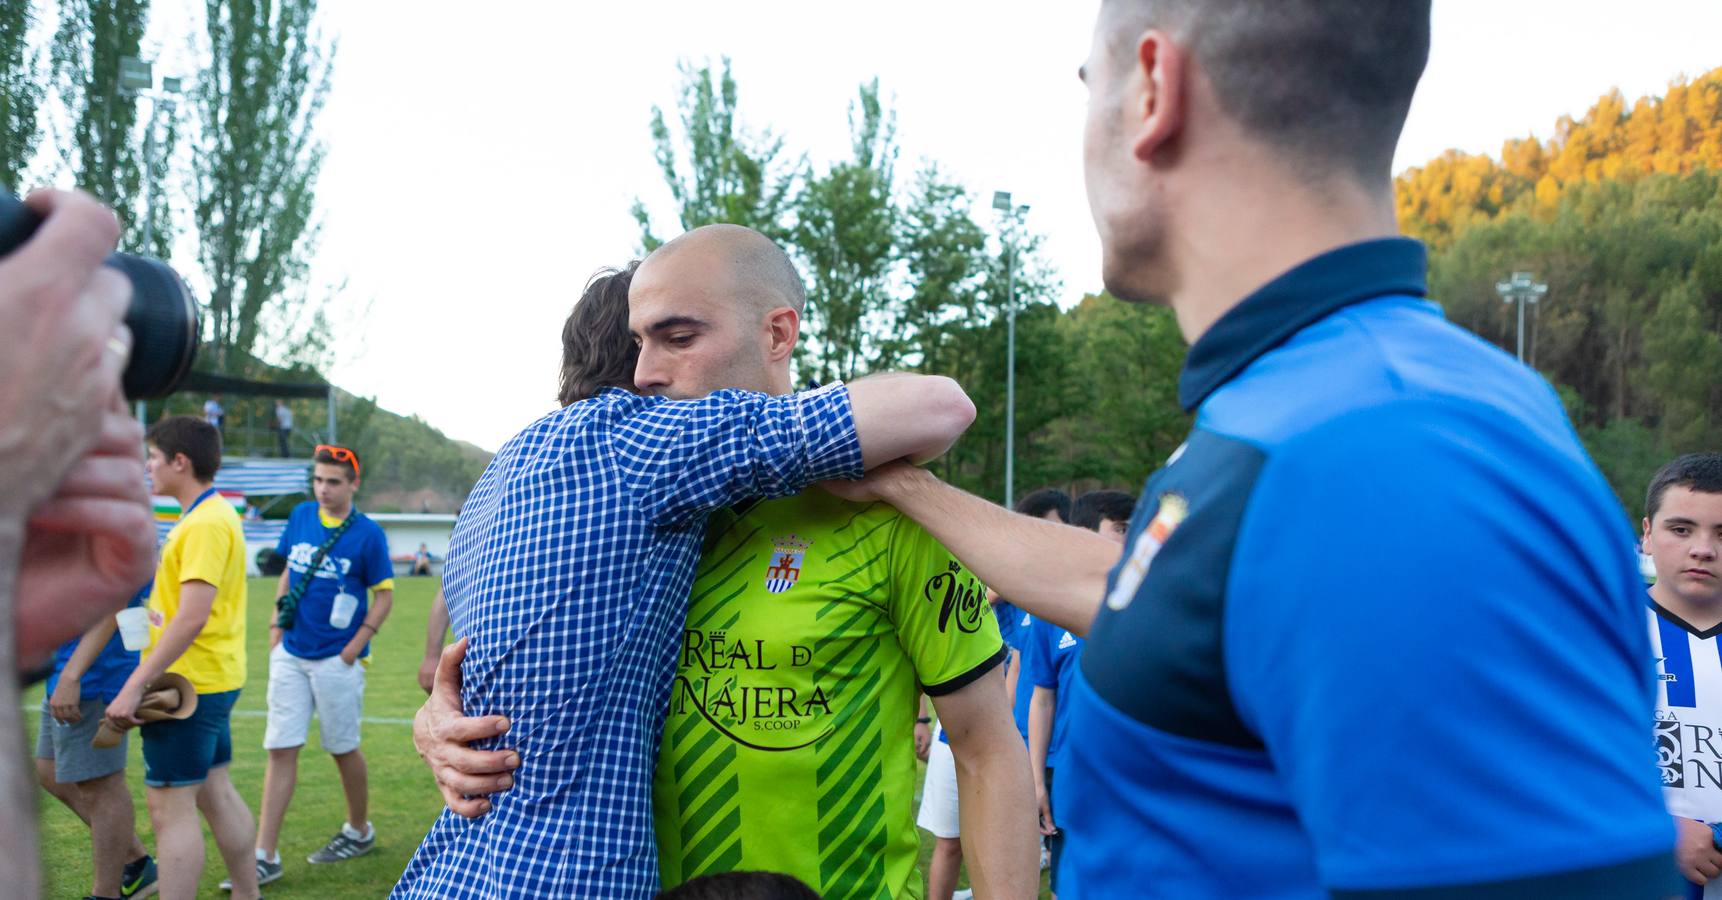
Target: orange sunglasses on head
column 339, row 454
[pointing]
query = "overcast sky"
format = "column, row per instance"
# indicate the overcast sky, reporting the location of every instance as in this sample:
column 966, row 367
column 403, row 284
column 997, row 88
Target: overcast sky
column 482, row 158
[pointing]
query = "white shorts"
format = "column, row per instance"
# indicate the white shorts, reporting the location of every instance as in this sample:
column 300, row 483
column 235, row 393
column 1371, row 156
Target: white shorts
column 939, row 793
column 335, row 690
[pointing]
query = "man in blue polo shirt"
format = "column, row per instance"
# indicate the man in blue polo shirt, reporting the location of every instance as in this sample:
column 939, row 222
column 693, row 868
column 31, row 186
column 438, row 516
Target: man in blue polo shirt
column 1049, row 661
column 334, row 595
column 1377, row 630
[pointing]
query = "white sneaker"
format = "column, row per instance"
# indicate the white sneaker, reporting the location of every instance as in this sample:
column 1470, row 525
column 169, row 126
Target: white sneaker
column 964, row 894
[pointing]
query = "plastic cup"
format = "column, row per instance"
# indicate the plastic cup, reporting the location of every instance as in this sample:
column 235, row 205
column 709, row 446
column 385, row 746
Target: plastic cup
column 134, row 627
column 341, row 612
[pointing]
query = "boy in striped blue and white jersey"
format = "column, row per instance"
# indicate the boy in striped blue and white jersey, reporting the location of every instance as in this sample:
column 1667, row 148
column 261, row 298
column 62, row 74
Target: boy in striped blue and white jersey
column 1683, row 535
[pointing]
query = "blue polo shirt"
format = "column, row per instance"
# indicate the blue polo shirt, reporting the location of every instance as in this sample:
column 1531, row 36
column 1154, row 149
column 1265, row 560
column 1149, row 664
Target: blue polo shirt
column 358, row 562
column 108, row 674
column 1378, row 629
column 1013, row 626
column 1049, row 658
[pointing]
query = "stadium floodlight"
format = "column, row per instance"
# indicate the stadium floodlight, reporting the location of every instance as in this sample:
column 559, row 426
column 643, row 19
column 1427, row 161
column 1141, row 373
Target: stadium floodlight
column 135, row 74
column 1521, row 288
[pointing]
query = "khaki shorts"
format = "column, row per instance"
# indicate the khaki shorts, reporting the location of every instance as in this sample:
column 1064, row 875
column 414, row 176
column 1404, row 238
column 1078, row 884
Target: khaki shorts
column 329, row 687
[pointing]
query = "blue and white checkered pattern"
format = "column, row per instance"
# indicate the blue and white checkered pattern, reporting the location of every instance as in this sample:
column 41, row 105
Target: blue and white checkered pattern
column 569, row 572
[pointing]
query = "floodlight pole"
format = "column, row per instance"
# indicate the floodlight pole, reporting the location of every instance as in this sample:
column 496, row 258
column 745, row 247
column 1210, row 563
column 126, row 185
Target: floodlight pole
column 1012, row 217
column 1521, row 288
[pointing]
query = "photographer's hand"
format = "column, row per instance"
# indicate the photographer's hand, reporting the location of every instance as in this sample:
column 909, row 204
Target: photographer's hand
column 90, row 546
column 61, row 312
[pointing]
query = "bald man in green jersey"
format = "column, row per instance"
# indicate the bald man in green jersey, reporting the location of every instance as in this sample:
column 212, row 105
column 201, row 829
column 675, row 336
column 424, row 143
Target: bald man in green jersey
column 813, row 626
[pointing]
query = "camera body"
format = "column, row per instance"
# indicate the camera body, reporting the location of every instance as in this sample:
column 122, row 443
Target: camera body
column 162, row 315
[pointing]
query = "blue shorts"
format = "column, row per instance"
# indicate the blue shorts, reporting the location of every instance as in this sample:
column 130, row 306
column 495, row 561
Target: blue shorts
column 181, row 753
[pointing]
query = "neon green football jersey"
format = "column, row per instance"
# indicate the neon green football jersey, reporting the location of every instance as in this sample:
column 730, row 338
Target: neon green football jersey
column 789, row 746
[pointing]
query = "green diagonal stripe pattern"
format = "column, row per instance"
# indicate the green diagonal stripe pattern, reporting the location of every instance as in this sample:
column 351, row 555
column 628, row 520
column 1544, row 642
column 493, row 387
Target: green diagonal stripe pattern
column 851, row 808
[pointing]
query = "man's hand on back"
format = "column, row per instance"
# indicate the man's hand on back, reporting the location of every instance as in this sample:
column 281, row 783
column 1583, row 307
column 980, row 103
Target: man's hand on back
column 441, row 733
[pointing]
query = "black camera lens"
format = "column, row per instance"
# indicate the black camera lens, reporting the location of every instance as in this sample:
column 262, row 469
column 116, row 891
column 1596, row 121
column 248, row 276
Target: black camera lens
column 162, row 315
column 164, row 323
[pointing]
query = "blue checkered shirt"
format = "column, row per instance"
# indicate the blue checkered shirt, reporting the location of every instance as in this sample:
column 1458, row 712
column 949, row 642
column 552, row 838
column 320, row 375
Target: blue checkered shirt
column 569, row 572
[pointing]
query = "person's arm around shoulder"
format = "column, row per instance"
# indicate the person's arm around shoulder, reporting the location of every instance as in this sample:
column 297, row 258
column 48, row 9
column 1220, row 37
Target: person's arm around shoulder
column 904, row 416
column 684, row 457
column 1056, row 572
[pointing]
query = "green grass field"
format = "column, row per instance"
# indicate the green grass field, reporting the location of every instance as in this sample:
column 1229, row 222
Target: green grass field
column 404, row 800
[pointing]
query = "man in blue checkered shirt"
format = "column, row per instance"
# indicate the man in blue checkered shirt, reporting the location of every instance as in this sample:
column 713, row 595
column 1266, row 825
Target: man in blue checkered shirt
column 569, row 572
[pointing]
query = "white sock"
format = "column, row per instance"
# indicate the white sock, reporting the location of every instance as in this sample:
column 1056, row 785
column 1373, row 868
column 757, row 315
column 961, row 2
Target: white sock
column 270, row 859
column 355, row 834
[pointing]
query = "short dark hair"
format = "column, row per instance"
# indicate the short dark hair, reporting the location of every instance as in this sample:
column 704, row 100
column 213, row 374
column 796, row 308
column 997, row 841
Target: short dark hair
column 1327, row 81
column 741, row 886
column 597, row 350
column 1039, row 503
column 192, row 436
column 1700, row 472
column 1093, row 506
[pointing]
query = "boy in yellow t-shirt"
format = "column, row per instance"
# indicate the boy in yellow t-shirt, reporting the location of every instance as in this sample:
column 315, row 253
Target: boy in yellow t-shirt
column 197, row 629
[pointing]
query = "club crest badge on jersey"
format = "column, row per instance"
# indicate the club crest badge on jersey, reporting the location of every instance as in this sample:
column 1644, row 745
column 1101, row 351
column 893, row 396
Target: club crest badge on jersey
column 783, row 570
column 1173, row 509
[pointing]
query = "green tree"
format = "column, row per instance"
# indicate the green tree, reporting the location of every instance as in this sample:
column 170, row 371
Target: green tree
column 732, row 176
column 104, row 143
column 1684, row 370
column 20, row 93
column 1126, row 359
column 845, row 232
column 943, row 252
column 256, row 161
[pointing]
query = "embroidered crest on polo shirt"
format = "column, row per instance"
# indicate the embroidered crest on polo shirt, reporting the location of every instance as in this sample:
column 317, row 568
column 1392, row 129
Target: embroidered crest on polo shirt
column 1173, row 509
column 783, row 570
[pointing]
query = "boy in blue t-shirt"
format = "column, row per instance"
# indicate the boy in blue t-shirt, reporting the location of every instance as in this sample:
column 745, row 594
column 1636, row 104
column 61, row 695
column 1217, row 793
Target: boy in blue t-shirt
column 88, row 674
column 1050, row 656
column 320, row 644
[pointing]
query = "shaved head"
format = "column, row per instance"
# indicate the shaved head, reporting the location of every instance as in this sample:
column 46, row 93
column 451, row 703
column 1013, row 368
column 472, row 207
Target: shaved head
column 1328, row 82
column 759, row 275
column 719, row 307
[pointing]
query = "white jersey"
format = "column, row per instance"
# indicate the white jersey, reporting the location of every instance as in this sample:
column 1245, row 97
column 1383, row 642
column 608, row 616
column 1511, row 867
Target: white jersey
column 1689, row 720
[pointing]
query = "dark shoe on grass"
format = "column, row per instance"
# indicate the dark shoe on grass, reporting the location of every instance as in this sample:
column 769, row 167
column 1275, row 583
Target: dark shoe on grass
column 341, row 848
column 138, row 878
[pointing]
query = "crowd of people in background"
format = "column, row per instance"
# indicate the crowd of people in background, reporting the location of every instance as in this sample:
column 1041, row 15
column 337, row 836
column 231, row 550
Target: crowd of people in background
column 333, row 596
